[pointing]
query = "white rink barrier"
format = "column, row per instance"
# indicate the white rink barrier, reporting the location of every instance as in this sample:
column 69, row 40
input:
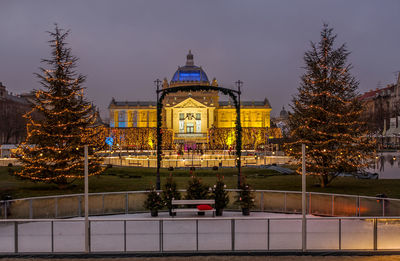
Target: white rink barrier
column 199, row 235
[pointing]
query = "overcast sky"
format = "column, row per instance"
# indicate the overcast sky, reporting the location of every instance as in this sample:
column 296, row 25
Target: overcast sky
column 123, row 46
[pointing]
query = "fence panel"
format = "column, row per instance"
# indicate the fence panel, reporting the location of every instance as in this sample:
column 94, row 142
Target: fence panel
column 232, row 199
column 285, row 234
column 392, row 208
column 69, row 236
column 114, row 203
column 320, row 204
column 136, row 201
column 388, row 234
column 44, row 208
column 322, row 234
column 95, row 205
column 19, row 208
column 68, row 206
column 34, row 237
column 179, row 235
column 274, row 201
column 345, row 206
column 214, row 235
column 357, row 234
column 7, row 237
column 106, row 236
column 142, row 235
column 251, row 234
column 293, row 202
column 371, row 207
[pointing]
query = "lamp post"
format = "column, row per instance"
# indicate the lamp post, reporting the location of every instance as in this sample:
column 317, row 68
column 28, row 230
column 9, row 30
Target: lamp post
column 158, row 182
column 303, row 198
column 239, row 136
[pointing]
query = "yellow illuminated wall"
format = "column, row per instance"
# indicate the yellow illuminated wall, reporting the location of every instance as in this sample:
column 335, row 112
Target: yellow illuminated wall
column 210, row 116
column 249, row 117
column 144, row 117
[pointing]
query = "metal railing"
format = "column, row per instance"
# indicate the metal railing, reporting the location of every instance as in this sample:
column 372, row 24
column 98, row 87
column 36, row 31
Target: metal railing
column 322, row 204
column 199, row 234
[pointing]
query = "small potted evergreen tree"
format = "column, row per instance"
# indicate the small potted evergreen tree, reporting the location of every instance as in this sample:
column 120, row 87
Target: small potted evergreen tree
column 153, row 202
column 169, row 193
column 196, row 190
column 245, row 197
column 220, row 195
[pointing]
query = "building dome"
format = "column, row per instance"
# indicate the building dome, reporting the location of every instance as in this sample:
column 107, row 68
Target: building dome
column 284, row 113
column 190, row 73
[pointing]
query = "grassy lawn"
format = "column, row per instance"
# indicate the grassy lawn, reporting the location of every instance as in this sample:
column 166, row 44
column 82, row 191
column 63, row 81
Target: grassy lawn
column 126, row 179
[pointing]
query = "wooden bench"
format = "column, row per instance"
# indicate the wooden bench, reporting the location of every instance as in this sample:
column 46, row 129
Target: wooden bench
column 176, row 203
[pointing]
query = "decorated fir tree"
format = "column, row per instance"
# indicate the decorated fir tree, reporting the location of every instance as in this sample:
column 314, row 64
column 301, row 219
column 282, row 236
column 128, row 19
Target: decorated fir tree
column 170, row 192
column 196, row 189
column 153, row 202
column 245, row 197
column 53, row 150
column 326, row 113
column 220, row 195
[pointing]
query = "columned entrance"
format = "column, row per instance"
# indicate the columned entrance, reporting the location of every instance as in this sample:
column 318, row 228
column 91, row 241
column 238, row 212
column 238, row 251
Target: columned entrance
column 190, row 122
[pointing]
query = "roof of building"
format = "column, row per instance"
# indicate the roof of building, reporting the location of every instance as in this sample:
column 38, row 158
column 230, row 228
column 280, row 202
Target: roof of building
column 133, row 103
column 189, row 72
column 247, row 103
column 377, row 92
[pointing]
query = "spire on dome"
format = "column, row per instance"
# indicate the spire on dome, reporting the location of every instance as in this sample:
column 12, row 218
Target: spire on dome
column 189, row 59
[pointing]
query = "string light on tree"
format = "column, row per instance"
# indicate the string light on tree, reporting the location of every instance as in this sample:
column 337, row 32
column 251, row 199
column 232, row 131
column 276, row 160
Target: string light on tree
column 326, row 114
column 52, row 150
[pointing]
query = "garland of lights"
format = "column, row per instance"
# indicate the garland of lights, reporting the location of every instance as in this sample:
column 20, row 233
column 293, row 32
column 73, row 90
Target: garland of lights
column 53, row 150
column 326, row 115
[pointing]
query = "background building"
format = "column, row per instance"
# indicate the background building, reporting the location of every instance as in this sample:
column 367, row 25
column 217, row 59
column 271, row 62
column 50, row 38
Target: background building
column 12, row 123
column 382, row 113
column 191, row 116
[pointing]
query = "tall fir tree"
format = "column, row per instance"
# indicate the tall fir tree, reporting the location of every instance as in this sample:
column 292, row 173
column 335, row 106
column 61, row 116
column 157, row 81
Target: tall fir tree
column 53, row 150
column 326, row 113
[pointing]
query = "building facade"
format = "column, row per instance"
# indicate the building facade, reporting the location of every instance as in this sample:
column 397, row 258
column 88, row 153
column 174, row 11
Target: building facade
column 382, row 113
column 189, row 115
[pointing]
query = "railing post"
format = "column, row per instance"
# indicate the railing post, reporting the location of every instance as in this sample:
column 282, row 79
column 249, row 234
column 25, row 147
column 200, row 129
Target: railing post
column 161, row 237
column 358, row 206
column 284, row 202
column 233, row 234
column 124, row 235
column 30, row 209
column 102, row 208
column 52, row 236
column 56, row 207
column 197, row 235
column 5, row 204
column 16, row 236
column 268, row 234
column 340, row 234
column 383, row 207
column 375, row 234
column 262, row 201
column 79, row 206
column 126, row 203
column 333, row 205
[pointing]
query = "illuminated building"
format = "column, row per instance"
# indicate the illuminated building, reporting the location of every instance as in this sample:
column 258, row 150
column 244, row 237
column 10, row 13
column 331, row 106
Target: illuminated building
column 189, row 115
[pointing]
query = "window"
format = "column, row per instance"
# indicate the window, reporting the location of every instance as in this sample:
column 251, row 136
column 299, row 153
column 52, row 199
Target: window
column 121, row 116
column 181, row 116
column 190, row 128
column 198, row 116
